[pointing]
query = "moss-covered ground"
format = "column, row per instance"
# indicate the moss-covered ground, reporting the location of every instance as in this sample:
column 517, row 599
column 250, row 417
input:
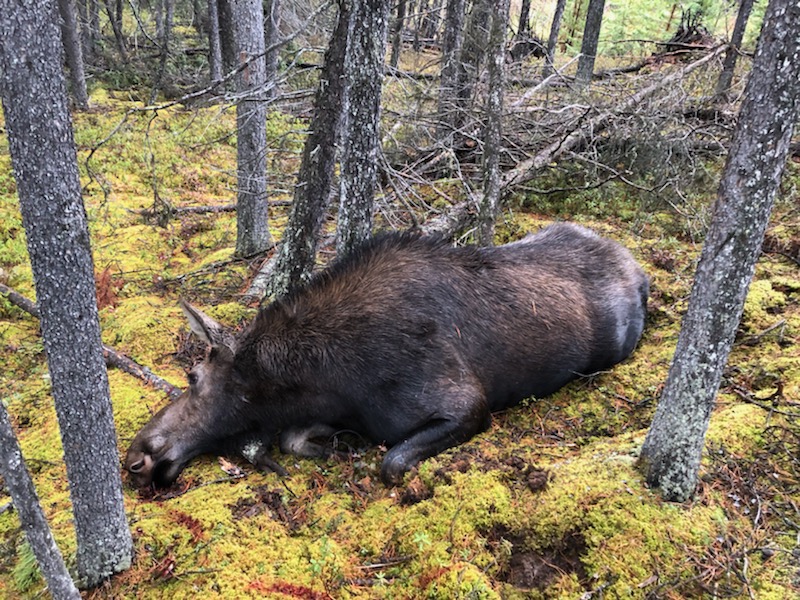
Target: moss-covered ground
column 546, row 504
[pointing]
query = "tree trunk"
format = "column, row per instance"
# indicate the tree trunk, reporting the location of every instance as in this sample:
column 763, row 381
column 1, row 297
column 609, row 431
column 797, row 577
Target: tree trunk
column 552, row 40
column 524, row 18
column 473, row 51
column 72, row 49
column 397, row 33
column 297, row 254
column 116, row 26
column 272, row 35
column 253, row 236
column 672, row 451
column 729, row 64
column 44, row 162
column 591, row 36
column 87, row 43
column 165, row 39
column 492, row 140
column 452, row 42
column 363, row 67
column 214, row 47
column 18, row 481
column 226, row 35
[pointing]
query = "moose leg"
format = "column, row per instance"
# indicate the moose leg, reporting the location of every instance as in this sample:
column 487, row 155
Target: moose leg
column 432, row 438
column 255, row 448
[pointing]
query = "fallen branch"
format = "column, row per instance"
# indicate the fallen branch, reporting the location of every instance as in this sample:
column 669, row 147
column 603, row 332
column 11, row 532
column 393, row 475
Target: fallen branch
column 528, row 169
column 201, row 210
column 111, row 356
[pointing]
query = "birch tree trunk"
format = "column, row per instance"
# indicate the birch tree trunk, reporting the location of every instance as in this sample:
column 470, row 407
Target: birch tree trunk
column 363, row 67
column 74, row 54
column 44, row 162
column 252, row 229
column 729, row 64
column 492, row 140
column 591, row 36
column 672, row 450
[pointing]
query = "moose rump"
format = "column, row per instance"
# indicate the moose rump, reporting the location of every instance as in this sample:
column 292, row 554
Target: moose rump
column 407, row 341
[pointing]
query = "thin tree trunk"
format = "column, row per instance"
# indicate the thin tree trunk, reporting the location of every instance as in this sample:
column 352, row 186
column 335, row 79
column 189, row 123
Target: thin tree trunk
column 252, row 236
column 226, row 35
column 451, row 53
column 591, row 36
column 87, row 43
column 44, row 162
column 272, row 35
column 166, row 40
column 117, row 28
column 17, row 479
column 295, row 259
column 492, row 140
column 729, row 64
column 552, row 40
column 397, row 34
column 473, row 51
column 524, row 18
column 214, row 47
column 363, row 67
column 73, row 52
column 672, row 450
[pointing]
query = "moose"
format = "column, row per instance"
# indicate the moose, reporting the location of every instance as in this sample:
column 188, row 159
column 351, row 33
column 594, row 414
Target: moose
column 406, row 341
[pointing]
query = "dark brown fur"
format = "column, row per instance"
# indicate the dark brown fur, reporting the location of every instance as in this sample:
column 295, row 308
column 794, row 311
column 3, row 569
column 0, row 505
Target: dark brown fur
column 409, row 342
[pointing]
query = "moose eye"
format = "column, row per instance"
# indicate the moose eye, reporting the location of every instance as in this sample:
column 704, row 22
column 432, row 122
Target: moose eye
column 191, row 376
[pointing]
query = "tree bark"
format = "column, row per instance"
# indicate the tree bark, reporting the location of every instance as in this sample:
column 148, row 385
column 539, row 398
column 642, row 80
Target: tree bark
column 397, row 34
column 252, row 236
column 44, row 162
column 452, row 42
column 18, row 481
column 552, row 40
column 591, row 36
column 473, row 52
column 295, row 259
column 165, row 38
column 226, row 35
column 74, row 54
column 729, row 64
column 524, row 18
column 672, row 450
column 116, row 26
column 214, row 44
column 363, row 67
column 272, row 35
column 492, row 140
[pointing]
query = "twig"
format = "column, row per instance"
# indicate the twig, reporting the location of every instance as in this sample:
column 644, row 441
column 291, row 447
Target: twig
column 111, row 356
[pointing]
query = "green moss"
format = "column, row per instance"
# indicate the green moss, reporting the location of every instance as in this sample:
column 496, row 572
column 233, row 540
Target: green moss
column 761, row 304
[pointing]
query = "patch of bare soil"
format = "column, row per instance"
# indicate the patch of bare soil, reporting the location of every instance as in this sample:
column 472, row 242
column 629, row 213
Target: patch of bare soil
column 537, row 569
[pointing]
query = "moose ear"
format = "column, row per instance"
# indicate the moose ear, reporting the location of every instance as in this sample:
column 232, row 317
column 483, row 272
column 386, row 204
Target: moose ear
column 207, row 329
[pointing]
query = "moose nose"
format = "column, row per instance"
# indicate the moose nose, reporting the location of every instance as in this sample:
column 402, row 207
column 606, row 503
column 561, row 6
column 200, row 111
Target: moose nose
column 137, row 466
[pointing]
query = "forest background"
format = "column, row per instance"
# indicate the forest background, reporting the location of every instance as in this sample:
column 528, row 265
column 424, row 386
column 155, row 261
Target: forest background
column 547, row 503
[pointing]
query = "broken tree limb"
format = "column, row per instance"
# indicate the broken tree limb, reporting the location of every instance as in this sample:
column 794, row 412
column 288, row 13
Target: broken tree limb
column 111, row 356
column 459, row 216
column 528, row 169
column 202, row 210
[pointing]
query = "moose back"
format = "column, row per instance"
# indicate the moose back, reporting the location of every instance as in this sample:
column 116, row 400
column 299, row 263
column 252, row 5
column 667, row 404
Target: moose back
column 408, row 342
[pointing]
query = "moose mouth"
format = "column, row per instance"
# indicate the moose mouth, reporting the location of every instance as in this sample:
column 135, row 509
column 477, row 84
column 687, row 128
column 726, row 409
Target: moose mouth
column 144, row 470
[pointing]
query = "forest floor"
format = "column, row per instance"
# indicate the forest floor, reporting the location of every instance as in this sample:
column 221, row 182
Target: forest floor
column 547, row 503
